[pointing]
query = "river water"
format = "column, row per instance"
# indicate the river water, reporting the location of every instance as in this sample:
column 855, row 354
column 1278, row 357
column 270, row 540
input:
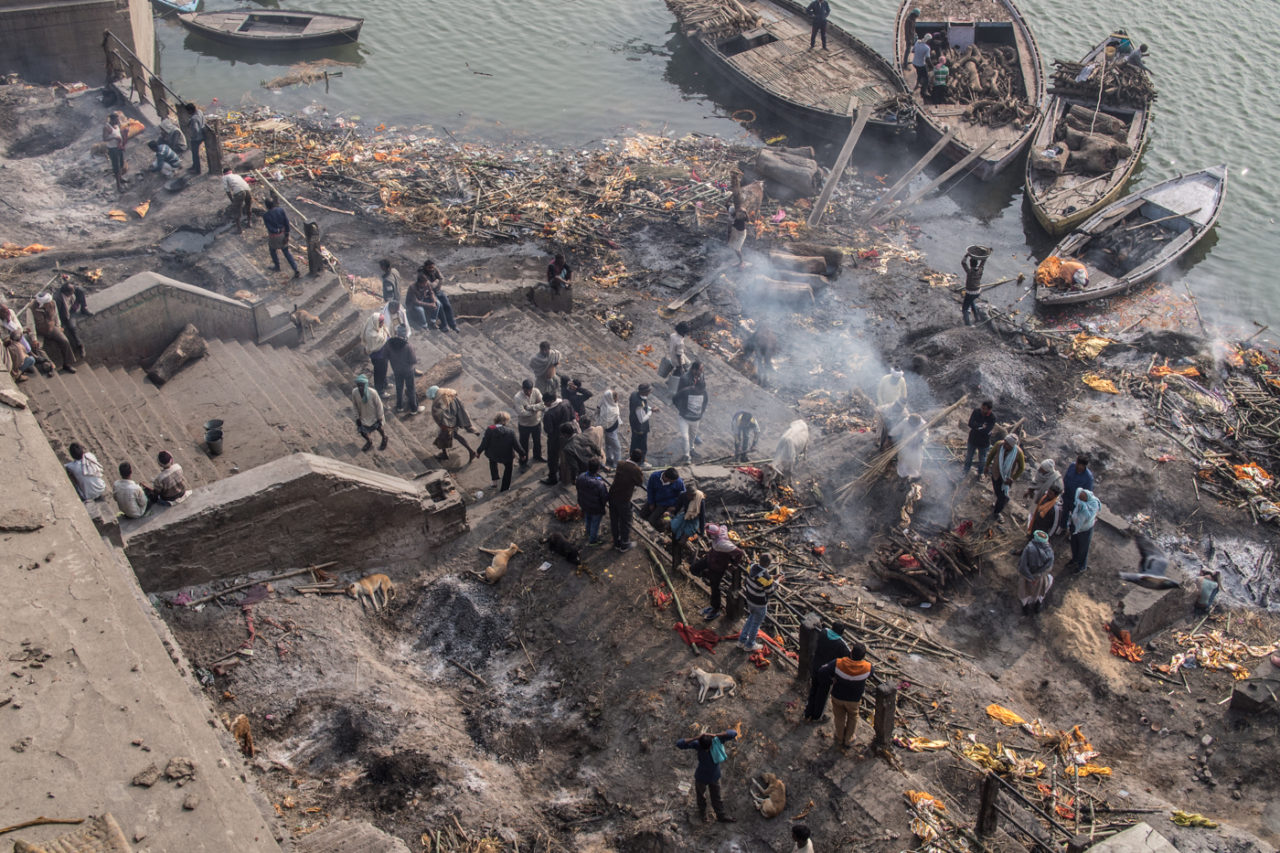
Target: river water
column 570, row 72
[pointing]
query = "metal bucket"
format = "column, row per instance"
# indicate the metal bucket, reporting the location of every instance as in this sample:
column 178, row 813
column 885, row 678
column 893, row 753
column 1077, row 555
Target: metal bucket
column 216, row 423
column 213, row 438
column 979, row 253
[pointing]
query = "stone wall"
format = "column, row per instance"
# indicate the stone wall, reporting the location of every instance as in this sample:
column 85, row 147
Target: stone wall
column 136, row 319
column 60, row 40
column 295, row 511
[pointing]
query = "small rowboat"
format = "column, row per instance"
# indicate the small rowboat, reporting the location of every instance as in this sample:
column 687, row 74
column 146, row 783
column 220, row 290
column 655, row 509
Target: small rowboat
column 275, row 28
column 762, row 48
column 1062, row 201
column 997, row 120
column 171, row 6
column 1129, row 241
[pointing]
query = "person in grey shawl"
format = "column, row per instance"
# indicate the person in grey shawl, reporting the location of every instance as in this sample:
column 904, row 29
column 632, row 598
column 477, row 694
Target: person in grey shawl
column 1034, row 578
column 544, row 364
column 1046, row 477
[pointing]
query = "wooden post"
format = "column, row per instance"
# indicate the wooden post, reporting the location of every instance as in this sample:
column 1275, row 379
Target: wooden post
column 837, row 169
column 887, row 199
column 315, row 260
column 213, row 146
column 886, row 710
column 988, row 817
column 159, row 98
column 941, row 179
column 810, row 628
column 1078, row 844
column 733, row 601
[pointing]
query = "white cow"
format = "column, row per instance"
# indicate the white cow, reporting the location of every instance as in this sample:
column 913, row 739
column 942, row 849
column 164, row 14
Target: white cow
column 791, row 448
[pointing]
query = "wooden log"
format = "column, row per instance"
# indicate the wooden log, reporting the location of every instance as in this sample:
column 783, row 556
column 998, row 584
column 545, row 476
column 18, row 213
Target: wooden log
column 1098, row 120
column 833, row 254
column 811, row 264
column 804, row 177
column 784, row 291
column 186, row 347
column 213, row 145
column 439, row 373
column 804, row 152
column 1079, row 843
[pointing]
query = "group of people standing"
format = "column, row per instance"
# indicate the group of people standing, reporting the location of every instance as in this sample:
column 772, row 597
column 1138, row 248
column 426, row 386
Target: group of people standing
column 54, row 313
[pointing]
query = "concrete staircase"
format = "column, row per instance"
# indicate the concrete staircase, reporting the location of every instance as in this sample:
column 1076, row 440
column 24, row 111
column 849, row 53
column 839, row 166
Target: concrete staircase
column 273, row 402
column 496, row 354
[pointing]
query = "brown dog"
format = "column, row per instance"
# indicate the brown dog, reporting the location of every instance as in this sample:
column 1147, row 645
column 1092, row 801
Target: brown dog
column 498, row 566
column 771, row 798
column 370, row 587
column 304, row 321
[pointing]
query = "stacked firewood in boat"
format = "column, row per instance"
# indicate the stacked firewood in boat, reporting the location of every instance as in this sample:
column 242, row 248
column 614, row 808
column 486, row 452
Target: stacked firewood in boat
column 713, row 15
column 1123, row 85
column 1086, row 141
column 989, row 80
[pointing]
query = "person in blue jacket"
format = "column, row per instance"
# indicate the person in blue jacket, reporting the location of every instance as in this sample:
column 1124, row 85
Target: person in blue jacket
column 707, row 776
column 662, row 492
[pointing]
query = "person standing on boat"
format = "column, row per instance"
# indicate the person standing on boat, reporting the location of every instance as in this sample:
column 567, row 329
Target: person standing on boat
column 920, row 54
column 818, row 11
column 940, row 72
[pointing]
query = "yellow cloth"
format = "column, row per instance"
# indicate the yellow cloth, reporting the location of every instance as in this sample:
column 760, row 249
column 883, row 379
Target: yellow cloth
column 1003, row 715
column 1182, row 818
column 1097, row 383
column 921, row 744
column 1087, row 346
column 1088, row 770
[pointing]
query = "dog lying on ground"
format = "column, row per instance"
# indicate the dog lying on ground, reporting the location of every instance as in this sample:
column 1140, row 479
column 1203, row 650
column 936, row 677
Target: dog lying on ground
column 557, row 544
column 498, row 567
column 370, row 587
column 769, row 794
column 708, row 680
column 304, row 321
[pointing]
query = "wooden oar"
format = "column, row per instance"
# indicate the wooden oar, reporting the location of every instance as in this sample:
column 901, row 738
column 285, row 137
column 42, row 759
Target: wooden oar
column 1161, row 219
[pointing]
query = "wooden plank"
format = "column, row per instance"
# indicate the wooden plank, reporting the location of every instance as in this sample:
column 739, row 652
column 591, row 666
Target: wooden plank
column 677, row 304
column 887, row 198
column 940, row 180
column 863, row 113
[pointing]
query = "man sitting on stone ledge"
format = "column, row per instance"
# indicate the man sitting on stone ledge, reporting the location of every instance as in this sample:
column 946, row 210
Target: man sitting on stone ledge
column 170, row 485
column 85, row 472
column 133, row 498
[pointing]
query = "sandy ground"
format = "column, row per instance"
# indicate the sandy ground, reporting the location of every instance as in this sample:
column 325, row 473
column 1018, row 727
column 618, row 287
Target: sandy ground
column 543, row 711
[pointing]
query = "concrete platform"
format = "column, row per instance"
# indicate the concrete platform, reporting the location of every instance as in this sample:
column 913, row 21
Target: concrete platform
column 1143, row 612
column 1138, row 839
column 96, row 697
column 349, row 836
column 299, row 510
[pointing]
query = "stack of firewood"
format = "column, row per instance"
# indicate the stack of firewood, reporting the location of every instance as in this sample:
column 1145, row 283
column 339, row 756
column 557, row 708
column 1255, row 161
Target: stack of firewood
column 926, row 566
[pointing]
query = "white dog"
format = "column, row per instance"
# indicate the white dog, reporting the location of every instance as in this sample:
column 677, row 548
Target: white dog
column 708, row 680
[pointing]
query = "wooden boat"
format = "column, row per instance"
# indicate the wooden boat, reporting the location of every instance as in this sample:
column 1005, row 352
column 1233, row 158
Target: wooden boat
column 1060, row 202
column 762, row 47
column 276, row 29
column 995, row 28
column 1129, row 241
column 171, row 6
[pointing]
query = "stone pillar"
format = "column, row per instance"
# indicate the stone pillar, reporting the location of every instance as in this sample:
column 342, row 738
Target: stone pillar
column 315, row 260
column 886, row 710
column 988, row 818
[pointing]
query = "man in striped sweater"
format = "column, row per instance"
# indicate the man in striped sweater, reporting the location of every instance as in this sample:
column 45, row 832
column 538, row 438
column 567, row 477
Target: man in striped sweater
column 761, row 585
column 848, row 677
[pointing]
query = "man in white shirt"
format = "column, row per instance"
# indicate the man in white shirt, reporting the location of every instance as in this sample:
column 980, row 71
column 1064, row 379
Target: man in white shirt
column 85, row 472
column 529, row 408
column 241, row 198
column 132, row 498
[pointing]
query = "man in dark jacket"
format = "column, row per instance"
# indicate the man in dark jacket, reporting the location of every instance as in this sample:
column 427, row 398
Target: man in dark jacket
column 691, row 402
column 572, row 390
column 662, row 493
column 558, row 413
column 848, row 676
column 818, row 11
column 593, row 496
column 67, row 301
column 707, row 776
column 626, row 480
column 981, row 422
column 500, row 445
column 829, row 646
column 638, row 415
column 277, row 224
column 401, row 358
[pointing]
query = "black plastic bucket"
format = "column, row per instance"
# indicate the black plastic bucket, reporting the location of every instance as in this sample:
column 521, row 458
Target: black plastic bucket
column 213, row 438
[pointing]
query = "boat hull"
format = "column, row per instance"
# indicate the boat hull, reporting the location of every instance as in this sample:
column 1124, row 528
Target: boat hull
column 1206, row 189
column 329, row 30
column 1055, row 221
column 932, row 124
column 830, row 123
